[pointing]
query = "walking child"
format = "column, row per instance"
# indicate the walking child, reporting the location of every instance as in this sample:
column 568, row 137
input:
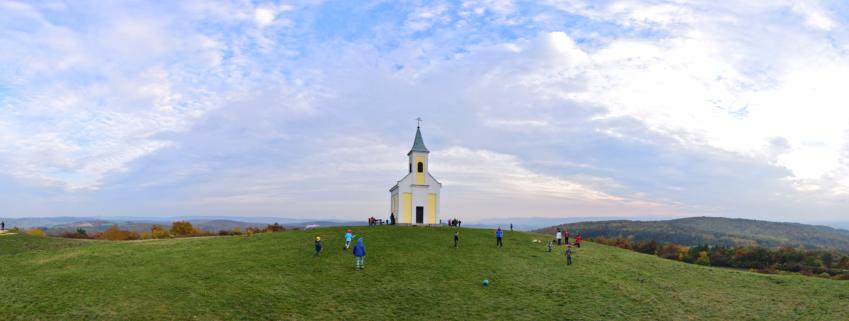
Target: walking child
column 456, row 239
column 317, row 246
column 498, row 235
column 550, row 242
column 348, row 237
column 360, row 254
column 568, row 255
column 578, row 240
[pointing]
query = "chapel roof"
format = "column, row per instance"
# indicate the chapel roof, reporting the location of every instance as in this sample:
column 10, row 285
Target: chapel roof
column 418, row 144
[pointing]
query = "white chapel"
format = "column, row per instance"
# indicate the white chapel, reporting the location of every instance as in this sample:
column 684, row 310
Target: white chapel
column 415, row 198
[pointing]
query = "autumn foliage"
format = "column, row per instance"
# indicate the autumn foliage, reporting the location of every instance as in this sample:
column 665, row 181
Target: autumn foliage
column 114, row 233
column 183, row 228
column 823, row 263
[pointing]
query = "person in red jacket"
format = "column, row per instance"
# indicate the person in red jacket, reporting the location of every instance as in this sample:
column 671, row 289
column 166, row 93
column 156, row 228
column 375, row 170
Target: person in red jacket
column 578, row 240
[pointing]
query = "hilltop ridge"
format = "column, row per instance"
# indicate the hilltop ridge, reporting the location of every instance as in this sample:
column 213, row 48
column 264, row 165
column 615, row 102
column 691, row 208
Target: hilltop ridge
column 411, row 273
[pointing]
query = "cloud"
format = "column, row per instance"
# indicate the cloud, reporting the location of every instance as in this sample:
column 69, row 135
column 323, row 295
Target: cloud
column 563, row 108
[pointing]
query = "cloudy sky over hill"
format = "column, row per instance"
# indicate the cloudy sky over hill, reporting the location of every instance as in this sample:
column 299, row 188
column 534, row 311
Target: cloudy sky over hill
column 541, row 108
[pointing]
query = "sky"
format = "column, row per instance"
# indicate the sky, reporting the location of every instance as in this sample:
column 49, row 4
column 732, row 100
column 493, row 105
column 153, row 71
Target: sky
column 306, row 109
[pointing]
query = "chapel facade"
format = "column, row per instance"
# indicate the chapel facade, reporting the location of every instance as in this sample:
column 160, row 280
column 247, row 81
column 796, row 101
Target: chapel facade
column 415, row 198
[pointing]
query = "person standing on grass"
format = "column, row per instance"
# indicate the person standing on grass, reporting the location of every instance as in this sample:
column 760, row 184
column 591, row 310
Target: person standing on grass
column 456, row 239
column 511, row 227
column 549, row 245
column 559, row 237
column 2, row 226
column 348, row 237
column 317, row 246
column 498, row 235
column 568, row 255
column 578, row 240
column 360, row 254
column 567, row 237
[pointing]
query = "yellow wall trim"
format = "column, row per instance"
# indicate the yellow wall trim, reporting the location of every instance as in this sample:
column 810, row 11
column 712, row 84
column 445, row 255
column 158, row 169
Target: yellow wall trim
column 431, row 208
column 406, row 211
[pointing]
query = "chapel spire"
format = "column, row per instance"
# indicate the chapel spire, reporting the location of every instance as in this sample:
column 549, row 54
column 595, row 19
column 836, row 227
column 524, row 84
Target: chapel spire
column 418, row 144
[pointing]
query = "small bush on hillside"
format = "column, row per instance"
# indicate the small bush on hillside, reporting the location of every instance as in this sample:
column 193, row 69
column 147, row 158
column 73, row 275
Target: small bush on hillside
column 114, row 233
column 36, row 232
column 79, row 234
column 159, row 232
column 703, row 258
column 275, row 228
column 235, row 231
column 182, row 228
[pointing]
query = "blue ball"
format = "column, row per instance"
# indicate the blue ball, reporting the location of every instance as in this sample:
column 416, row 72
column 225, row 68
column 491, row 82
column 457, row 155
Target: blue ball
column 485, row 282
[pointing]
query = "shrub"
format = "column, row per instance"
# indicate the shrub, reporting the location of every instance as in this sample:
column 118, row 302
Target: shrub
column 79, row 234
column 114, row 233
column 182, row 228
column 275, row 228
column 36, row 232
column 703, row 258
column 159, row 232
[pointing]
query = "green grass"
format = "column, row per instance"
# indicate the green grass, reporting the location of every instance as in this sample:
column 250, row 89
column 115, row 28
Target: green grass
column 411, row 273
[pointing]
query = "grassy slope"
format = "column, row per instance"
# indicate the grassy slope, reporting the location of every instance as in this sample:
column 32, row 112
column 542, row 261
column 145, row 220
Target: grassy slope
column 412, row 273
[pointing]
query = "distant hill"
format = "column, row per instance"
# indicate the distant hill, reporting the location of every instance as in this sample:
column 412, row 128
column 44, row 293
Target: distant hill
column 412, row 273
column 716, row 231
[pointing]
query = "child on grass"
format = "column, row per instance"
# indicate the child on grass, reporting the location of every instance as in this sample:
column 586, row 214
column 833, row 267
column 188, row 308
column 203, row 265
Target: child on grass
column 348, row 237
column 317, row 246
column 360, row 254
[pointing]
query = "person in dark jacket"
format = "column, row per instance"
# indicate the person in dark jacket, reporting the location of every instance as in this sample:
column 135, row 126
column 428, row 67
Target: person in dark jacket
column 568, row 255
column 360, row 254
column 498, row 235
column 456, row 239
column 317, row 246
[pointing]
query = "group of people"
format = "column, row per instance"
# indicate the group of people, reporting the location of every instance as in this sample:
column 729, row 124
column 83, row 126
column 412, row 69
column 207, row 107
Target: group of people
column 455, row 222
column 359, row 249
column 372, row 221
column 558, row 236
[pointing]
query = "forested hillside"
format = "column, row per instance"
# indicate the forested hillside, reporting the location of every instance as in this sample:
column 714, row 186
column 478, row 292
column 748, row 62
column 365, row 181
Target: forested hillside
column 715, row 231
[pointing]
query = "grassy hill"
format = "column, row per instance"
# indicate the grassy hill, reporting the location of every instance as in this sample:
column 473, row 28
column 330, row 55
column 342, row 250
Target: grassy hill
column 716, row 231
column 411, row 273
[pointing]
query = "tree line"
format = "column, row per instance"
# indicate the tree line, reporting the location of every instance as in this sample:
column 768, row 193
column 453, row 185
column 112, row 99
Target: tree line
column 822, row 263
column 177, row 229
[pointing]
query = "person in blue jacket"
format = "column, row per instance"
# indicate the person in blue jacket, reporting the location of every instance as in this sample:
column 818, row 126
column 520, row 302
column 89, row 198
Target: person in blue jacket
column 317, row 246
column 498, row 235
column 360, row 254
column 348, row 237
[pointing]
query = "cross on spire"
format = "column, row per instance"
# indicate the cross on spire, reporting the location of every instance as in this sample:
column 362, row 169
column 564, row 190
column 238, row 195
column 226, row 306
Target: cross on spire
column 419, row 121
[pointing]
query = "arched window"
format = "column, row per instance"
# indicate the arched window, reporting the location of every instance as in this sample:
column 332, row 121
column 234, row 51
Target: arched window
column 421, row 167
